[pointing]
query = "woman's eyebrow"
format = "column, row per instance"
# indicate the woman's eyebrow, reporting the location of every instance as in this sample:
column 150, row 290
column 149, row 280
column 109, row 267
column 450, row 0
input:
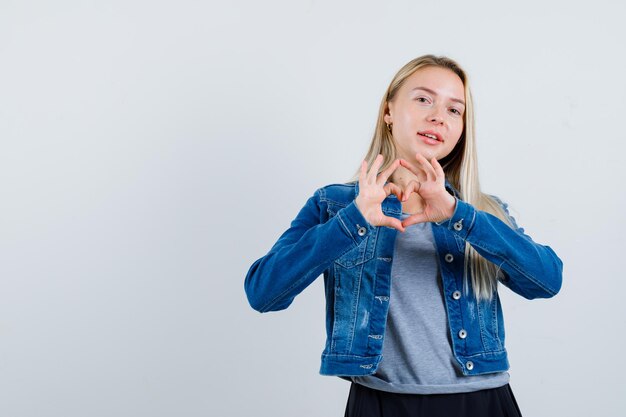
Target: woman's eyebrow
column 458, row 100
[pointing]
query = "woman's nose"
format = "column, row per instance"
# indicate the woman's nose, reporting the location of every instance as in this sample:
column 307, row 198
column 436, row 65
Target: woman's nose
column 435, row 116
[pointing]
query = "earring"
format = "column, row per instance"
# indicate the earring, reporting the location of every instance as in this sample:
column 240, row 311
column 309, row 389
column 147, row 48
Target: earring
column 389, row 126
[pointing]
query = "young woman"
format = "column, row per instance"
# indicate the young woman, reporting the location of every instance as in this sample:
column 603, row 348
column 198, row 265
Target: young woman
column 412, row 251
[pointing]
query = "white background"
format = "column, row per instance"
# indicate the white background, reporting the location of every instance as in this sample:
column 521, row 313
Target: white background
column 151, row 151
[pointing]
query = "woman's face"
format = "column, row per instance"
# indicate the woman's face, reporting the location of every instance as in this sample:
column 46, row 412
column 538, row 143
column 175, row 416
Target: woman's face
column 431, row 100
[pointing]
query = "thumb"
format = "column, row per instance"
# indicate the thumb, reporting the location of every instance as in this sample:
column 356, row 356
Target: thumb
column 414, row 219
column 393, row 222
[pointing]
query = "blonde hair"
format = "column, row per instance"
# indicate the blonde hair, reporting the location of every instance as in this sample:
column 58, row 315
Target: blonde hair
column 460, row 167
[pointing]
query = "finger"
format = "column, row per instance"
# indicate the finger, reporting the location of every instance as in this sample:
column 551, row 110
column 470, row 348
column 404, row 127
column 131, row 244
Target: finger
column 368, row 170
column 412, row 186
column 427, row 167
column 421, row 175
column 393, row 188
column 438, row 168
column 387, row 173
column 393, row 222
column 371, row 176
column 363, row 173
column 414, row 219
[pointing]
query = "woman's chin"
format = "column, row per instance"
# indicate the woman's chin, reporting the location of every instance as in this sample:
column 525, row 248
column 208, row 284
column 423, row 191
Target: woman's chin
column 426, row 153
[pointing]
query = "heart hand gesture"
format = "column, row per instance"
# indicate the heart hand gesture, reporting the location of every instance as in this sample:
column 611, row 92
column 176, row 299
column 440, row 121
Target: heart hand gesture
column 438, row 203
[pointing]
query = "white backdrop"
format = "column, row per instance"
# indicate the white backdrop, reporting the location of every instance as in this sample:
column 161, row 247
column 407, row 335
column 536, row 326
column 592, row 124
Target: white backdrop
column 152, row 150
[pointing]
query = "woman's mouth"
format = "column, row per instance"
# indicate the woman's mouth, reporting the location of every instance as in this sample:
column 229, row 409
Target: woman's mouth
column 429, row 139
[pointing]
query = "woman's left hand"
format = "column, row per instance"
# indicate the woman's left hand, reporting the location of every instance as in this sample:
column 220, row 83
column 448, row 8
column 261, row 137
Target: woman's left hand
column 431, row 186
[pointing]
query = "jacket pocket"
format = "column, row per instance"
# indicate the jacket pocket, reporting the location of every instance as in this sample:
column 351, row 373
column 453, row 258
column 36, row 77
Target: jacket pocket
column 460, row 243
column 356, row 256
column 489, row 326
column 347, row 272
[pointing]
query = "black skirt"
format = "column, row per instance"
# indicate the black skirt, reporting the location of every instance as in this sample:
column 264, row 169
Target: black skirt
column 368, row 402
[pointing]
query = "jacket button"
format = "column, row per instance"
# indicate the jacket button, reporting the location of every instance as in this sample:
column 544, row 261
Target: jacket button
column 449, row 258
column 456, row 295
column 469, row 365
column 458, row 225
column 362, row 230
column 462, row 334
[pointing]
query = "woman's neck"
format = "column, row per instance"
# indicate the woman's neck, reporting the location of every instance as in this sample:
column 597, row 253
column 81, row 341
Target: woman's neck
column 402, row 177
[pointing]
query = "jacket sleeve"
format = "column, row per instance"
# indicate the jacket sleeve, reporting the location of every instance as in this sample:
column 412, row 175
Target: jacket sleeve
column 530, row 269
column 302, row 253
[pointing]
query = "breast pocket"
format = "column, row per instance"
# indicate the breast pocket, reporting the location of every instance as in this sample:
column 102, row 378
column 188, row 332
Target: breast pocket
column 356, row 256
column 460, row 243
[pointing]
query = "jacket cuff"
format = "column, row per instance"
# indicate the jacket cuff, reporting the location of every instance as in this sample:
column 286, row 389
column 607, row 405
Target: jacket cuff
column 354, row 223
column 462, row 219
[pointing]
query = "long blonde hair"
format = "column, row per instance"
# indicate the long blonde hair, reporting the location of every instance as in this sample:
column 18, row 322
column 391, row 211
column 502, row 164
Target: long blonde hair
column 460, row 167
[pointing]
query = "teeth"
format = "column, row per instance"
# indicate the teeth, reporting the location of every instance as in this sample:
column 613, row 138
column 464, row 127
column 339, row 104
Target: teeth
column 428, row 135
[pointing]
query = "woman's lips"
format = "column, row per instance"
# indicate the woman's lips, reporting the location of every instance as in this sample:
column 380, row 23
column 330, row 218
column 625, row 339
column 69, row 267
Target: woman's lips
column 428, row 140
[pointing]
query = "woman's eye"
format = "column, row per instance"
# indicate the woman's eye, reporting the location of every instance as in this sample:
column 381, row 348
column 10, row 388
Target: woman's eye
column 457, row 111
column 422, row 99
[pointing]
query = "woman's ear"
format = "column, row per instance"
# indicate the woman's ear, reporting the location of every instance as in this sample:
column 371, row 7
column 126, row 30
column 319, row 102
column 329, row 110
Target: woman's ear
column 387, row 117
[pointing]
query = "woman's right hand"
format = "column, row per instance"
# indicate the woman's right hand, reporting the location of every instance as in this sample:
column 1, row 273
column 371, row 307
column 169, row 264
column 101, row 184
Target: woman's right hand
column 372, row 192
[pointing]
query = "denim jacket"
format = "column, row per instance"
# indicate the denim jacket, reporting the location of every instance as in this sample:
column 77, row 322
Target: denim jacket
column 330, row 236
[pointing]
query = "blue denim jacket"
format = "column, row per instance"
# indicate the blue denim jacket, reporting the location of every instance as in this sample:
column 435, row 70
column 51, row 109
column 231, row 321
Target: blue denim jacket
column 330, row 236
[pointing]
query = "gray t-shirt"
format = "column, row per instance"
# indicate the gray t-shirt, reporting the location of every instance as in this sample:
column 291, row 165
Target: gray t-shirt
column 417, row 350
